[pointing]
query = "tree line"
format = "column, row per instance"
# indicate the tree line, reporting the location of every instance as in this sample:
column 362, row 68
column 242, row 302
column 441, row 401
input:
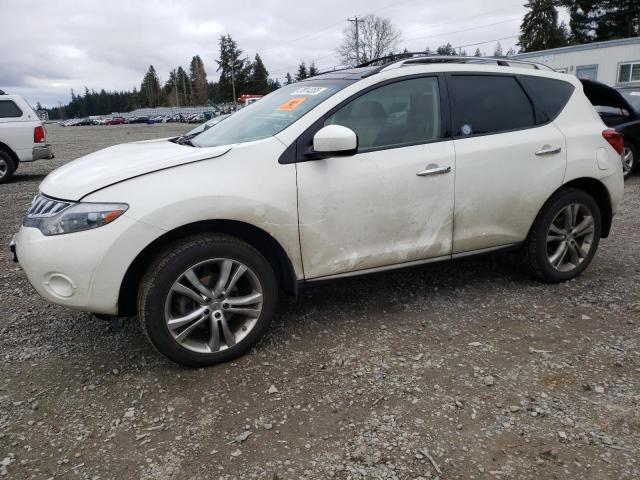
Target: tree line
column 590, row 21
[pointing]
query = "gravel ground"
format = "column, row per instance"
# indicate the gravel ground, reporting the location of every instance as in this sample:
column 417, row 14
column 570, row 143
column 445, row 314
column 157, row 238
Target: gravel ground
column 467, row 370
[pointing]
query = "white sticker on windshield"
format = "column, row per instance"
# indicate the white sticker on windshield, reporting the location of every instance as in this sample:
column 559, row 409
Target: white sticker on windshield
column 635, row 94
column 309, row 91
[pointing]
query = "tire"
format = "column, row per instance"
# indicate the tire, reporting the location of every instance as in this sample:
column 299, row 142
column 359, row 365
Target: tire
column 629, row 159
column 544, row 242
column 227, row 326
column 7, row 166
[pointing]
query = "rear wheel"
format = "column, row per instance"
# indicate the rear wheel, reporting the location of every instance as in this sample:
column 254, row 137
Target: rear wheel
column 629, row 159
column 7, row 166
column 207, row 299
column 564, row 237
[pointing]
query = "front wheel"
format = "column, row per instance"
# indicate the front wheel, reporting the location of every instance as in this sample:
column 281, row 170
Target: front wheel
column 629, row 159
column 207, row 299
column 564, row 237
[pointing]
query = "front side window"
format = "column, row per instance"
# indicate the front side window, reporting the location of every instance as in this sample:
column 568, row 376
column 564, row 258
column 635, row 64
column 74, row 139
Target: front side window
column 629, row 72
column 9, row 109
column 484, row 104
column 271, row 114
column 394, row 115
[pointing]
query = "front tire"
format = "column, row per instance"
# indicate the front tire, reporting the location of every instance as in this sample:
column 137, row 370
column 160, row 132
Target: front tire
column 564, row 237
column 7, row 166
column 207, row 299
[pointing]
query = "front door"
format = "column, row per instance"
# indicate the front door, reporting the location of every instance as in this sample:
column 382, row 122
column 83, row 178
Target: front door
column 392, row 202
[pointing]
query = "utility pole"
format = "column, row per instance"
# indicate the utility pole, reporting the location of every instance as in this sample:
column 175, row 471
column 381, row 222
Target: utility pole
column 356, row 21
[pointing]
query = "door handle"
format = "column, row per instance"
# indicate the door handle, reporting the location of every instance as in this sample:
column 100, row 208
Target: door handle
column 433, row 170
column 548, row 150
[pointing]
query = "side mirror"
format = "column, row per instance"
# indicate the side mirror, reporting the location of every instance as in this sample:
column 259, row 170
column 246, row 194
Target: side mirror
column 335, row 140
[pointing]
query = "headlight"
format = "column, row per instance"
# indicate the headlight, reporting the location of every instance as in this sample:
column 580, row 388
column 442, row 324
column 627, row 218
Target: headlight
column 55, row 217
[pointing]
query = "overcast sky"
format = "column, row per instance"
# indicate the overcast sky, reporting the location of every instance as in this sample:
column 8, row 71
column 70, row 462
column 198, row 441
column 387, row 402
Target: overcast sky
column 49, row 47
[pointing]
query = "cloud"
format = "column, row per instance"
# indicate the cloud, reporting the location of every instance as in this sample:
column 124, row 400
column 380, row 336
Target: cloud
column 47, row 48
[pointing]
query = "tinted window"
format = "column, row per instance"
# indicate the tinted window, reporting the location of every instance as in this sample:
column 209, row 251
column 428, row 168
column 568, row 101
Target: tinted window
column 488, row 104
column 8, row 109
column 549, row 95
column 394, row 115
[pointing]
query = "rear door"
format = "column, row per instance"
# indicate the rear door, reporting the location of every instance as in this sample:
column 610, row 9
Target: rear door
column 510, row 158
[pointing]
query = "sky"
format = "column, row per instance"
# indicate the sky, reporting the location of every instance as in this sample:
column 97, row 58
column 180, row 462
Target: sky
column 49, row 47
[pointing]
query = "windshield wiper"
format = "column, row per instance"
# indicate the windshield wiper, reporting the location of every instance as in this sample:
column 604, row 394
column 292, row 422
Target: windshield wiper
column 186, row 140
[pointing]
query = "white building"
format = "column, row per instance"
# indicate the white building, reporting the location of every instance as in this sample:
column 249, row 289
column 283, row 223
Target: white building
column 615, row 62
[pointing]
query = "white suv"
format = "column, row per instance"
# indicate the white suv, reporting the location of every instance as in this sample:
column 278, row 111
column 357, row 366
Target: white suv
column 347, row 173
column 22, row 135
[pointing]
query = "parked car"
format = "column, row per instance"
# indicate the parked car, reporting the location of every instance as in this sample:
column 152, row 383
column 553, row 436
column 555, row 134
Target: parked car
column 23, row 137
column 114, row 121
column 347, row 173
column 140, row 119
column 206, row 125
column 616, row 109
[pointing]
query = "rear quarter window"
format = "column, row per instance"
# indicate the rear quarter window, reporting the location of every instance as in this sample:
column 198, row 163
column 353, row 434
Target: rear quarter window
column 549, row 95
column 8, row 109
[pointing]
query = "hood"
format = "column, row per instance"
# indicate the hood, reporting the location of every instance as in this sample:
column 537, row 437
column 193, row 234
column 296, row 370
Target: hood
column 120, row 162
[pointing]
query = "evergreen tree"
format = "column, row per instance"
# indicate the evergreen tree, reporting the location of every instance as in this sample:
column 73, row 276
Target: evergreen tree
column 38, row 106
column 234, row 71
column 539, row 29
column 150, row 89
column 198, row 78
column 497, row 52
column 185, row 87
column 599, row 20
column 313, row 71
column 259, row 79
column 446, row 50
column 288, row 79
column 478, row 53
column 302, row 72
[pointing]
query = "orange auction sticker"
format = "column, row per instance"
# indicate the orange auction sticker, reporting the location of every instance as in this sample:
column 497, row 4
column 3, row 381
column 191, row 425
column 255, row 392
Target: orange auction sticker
column 291, row 104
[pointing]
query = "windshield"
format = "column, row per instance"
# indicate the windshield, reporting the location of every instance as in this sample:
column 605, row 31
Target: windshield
column 207, row 125
column 633, row 97
column 270, row 114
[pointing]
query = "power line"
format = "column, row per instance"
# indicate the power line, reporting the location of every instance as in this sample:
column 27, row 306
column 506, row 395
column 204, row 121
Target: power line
column 464, row 30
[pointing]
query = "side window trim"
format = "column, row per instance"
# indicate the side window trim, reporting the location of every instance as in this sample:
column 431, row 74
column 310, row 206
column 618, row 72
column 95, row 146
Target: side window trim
column 16, row 106
column 298, row 151
column 535, row 109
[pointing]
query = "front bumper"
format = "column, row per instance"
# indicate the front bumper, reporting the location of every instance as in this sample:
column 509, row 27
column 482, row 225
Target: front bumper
column 83, row 270
column 41, row 152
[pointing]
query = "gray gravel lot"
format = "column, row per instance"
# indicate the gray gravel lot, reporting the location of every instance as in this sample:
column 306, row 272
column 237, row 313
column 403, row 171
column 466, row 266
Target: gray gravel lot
column 467, row 370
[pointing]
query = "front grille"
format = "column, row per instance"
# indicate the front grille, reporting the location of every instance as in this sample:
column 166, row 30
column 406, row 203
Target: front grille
column 43, row 207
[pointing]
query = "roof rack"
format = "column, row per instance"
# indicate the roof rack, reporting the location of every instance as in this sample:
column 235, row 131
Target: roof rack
column 408, row 58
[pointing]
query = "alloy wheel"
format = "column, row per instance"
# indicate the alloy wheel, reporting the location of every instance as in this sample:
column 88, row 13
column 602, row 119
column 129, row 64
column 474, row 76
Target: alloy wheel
column 4, row 168
column 213, row 305
column 570, row 237
column 628, row 162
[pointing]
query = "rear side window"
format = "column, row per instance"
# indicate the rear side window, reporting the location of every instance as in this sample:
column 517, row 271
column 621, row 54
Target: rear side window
column 484, row 104
column 8, row 109
column 549, row 95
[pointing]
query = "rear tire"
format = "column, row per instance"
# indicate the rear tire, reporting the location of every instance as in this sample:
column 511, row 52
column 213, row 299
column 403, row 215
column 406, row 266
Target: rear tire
column 629, row 159
column 564, row 237
column 7, row 166
column 207, row 299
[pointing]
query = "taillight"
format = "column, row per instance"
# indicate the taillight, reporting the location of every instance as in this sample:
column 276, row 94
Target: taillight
column 38, row 134
column 615, row 139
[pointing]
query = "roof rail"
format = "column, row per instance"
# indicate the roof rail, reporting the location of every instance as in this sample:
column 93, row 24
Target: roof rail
column 406, row 58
